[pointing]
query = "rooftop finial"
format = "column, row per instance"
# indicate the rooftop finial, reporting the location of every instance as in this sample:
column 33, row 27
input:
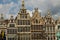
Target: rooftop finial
column 48, row 12
column 23, row 10
column 11, row 16
column 23, row 4
column 36, row 9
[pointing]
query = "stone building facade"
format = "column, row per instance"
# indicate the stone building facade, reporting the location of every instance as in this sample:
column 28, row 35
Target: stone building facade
column 25, row 27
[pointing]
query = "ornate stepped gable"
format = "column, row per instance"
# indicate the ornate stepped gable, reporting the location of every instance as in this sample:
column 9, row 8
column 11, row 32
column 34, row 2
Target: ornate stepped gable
column 49, row 19
column 36, row 18
column 23, row 13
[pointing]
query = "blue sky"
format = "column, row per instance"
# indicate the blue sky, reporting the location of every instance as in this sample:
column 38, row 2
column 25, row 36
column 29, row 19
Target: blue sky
column 9, row 7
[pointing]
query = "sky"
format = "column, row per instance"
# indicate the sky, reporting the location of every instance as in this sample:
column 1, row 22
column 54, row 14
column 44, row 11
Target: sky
column 12, row 7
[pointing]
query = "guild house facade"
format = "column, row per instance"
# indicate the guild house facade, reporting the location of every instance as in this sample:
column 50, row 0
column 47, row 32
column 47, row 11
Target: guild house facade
column 25, row 27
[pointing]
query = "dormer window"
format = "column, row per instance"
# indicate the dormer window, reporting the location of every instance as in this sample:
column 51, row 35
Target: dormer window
column 12, row 25
column 23, row 16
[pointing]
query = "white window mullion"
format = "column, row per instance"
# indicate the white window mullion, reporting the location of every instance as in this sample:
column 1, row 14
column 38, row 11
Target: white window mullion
column 52, row 29
column 49, row 29
column 46, row 29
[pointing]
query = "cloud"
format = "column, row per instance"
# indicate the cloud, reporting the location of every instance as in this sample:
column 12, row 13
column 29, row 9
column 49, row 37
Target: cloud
column 9, row 8
column 56, row 16
column 13, row 7
column 31, row 12
column 44, row 5
column 55, row 2
column 1, row 6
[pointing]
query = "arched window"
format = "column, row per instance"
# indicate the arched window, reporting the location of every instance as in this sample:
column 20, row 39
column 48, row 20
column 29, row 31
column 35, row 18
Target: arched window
column 36, row 21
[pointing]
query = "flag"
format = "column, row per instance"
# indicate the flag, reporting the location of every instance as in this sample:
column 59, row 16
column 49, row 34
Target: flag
column 3, row 35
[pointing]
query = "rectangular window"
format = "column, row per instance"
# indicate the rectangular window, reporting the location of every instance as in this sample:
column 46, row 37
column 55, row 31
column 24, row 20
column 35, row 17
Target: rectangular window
column 47, row 29
column 11, row 31
column 20, row 29
column 28, row 22
column 19, row 22
column 50, row 29
column 23, row 22
column 23, row 29
column 37, row 36
column 53, row 29
column 11, row 39
column 26, row 29
column 23, row 16
column 12, row 25
column 37, row 27
column 24, row 36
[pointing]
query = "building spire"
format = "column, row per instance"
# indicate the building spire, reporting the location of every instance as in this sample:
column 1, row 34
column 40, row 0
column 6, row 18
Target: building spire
column 48, row 12
column 23, row 6
column 22, row 10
